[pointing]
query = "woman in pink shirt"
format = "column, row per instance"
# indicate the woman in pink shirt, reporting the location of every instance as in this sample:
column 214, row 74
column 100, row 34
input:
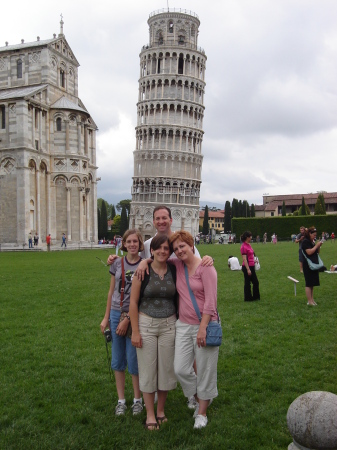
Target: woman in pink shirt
column 190, row 341
column 248, row 268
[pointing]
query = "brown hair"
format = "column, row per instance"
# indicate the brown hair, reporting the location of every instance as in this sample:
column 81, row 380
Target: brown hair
column 309, row 231
column 184, row 236
column 127, row 234
column 157, row 208
column 158, row 240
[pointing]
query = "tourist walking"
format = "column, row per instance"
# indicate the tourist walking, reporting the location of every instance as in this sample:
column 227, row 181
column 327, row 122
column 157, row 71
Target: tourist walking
column 30, row 240
column 64, row 240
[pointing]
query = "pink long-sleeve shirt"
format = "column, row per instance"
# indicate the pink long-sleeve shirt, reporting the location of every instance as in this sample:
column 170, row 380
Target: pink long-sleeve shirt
column 204, row 286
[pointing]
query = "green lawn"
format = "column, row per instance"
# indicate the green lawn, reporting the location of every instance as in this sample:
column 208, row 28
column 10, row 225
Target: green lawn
column 56, row 391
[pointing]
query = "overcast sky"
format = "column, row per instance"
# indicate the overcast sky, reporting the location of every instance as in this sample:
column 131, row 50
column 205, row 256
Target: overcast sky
column 271, row 83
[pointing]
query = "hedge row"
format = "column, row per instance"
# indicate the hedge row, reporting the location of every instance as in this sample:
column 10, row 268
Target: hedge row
column 283, row 227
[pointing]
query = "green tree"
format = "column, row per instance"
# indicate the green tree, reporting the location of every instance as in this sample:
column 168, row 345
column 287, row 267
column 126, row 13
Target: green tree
column 240, row 209
column 252, row 210
column 205, row 225
column 228, row 219
column 126, row 203
column 104, row 220
column 116, row 225
column 284, row 211
column 99, row 223
column 235, row 208
column 321, row 197
column 124, row 221
column 245, row 209
column 303, row 210
column 319, row 211
column 112, row 212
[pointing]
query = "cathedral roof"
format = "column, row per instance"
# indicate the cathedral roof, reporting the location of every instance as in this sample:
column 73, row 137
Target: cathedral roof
column 65, row 103
column 27, row 45
column 20, row 92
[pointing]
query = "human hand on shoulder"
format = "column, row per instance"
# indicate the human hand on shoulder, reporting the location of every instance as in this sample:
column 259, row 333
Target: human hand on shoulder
column 207, row 261
column 142, row 268
column 111, row 259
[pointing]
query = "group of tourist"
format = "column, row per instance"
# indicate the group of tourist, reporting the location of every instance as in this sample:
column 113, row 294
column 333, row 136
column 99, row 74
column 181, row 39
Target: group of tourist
column 168, row 341
column 155, row 293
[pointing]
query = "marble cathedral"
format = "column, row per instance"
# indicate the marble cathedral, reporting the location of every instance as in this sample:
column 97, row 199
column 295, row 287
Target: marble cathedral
column 47, row 145
column 169, row 133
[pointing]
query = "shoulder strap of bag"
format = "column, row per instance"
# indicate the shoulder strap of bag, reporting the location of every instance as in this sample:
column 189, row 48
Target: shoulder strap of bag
column 123, row 284
column 194, row 302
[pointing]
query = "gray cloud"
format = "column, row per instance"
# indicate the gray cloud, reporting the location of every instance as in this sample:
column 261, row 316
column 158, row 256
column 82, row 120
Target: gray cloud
column 270, row 94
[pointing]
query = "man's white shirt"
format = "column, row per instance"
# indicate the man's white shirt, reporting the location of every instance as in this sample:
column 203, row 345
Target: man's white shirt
column 147, row 254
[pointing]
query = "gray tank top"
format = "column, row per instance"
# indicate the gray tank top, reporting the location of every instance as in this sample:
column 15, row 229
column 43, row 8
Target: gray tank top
column 158, row 298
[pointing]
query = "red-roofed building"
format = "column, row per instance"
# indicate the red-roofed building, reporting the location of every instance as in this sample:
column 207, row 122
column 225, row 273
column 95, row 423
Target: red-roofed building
column 272, row 204
column 215, row 219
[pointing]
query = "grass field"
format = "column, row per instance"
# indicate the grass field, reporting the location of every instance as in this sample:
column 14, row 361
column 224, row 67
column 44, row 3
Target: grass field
column 56, row 391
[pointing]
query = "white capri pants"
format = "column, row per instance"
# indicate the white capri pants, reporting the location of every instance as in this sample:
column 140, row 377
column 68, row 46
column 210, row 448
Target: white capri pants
column 204, row 384
column 155, row 358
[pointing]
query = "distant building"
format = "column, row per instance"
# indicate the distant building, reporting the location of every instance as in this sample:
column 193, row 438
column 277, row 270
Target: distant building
column 215, row 219
column 170, row 113
column 272, row 204
column 47, row 145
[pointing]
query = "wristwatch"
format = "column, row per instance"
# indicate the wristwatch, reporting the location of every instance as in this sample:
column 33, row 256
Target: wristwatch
column 127, row 316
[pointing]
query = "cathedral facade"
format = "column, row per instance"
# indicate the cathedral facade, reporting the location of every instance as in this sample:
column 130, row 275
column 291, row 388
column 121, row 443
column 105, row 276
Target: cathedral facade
column 47, row 145
column 169, row 133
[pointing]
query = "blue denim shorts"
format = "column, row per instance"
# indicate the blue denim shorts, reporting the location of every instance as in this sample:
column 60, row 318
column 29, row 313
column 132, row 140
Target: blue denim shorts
column 123, row 353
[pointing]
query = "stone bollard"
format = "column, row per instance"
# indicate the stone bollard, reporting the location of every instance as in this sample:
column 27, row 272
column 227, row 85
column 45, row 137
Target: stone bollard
column 312, row 421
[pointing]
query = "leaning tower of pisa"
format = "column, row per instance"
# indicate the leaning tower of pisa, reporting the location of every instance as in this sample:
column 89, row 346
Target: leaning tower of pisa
column 169, row 131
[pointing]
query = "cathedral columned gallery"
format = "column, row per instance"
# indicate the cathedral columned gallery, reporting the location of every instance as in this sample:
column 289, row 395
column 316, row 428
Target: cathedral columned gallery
column 47, row 145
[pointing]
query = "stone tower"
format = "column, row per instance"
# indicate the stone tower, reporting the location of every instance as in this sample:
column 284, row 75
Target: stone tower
column 169, row 131
column 47, row 145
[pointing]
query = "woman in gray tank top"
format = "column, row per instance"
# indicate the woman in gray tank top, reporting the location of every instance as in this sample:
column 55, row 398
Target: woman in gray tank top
column 153, row 313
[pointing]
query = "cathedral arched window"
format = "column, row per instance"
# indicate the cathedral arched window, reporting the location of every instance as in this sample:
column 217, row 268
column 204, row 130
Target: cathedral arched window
column 2, row 117
column 62, row 78
column 19, row 69
column 170, row 26
column 58, row 124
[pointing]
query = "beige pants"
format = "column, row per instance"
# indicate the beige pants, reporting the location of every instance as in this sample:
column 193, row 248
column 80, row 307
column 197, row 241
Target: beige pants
column 155, row 358
column 204, row 384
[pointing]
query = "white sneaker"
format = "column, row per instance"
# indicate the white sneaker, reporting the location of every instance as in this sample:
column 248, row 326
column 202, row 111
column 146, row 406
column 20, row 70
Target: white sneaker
column 192, row 403
column 120, row 409
column 200, row 421
column 137, row 408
